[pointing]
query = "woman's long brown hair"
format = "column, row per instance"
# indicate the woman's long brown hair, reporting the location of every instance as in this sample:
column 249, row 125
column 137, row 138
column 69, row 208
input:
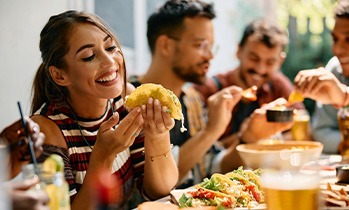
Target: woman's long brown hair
column 54, row 45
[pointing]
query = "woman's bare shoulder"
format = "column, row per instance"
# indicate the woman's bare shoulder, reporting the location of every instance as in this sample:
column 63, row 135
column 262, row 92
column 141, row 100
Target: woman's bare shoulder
column 53, row 135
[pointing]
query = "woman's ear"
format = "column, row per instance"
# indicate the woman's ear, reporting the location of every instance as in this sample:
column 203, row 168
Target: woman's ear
column 59, row 76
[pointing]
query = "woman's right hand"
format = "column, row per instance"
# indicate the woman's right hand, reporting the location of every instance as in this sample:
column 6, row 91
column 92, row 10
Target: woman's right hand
column 112, row 140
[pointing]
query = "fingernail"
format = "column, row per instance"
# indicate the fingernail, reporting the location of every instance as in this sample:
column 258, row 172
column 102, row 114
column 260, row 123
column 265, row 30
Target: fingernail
column 35, row 129
column 150, row 101
column 156, row 102
column 164, row 109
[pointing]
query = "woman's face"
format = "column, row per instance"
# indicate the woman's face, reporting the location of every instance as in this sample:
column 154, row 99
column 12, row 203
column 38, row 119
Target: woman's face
column 94, row 64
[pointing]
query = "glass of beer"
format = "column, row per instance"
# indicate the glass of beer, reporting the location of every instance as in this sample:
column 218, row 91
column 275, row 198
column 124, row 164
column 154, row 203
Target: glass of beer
column 343, row 124
column 299, row 129
column 290, row 190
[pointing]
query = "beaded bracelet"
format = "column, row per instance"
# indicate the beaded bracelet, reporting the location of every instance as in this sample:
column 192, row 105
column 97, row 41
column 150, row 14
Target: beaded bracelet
column 157, row 156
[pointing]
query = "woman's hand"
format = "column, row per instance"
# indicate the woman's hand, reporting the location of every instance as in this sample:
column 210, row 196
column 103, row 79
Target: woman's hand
column 157, row 119
column 112, row 141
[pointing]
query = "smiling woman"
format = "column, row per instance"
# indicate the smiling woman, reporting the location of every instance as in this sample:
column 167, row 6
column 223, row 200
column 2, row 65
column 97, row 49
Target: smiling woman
column 78, row 102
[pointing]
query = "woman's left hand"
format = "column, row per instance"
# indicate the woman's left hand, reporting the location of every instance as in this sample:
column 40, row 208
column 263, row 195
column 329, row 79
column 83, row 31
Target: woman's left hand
column 157, row 120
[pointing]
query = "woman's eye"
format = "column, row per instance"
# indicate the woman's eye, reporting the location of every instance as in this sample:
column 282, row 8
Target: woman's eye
column 112, row 48
column 90, row 58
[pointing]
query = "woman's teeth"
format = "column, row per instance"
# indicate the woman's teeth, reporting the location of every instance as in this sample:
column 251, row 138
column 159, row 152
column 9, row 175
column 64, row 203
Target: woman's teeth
column 108, row 78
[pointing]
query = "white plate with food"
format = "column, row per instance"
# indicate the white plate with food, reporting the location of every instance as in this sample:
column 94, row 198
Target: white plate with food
column 177, row 194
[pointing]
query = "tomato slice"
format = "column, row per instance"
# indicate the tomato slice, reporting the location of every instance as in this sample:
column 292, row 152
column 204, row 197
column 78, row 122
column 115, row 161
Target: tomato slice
column 254, row 192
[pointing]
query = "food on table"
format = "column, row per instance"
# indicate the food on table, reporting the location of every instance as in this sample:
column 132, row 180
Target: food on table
column 250, row 93
column 342, row 173
column 295, row 97
column 279, row 113
column 239, row 188
column 149, row 205
column 166, row 97
column 333, row 197
column 153, row 205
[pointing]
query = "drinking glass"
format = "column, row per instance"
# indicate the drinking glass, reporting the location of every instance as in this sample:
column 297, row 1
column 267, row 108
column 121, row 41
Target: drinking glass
column 299, row 129
column 343, row 124
column 54, row 184
column 290, row 190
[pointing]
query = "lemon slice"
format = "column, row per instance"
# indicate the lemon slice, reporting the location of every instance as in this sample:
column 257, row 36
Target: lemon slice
column 54, row 163
column 295, row 97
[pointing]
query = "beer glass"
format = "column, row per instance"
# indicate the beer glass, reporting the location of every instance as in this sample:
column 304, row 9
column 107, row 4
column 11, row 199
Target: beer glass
column 301, row 120
column 343, row 124
column 290, row 190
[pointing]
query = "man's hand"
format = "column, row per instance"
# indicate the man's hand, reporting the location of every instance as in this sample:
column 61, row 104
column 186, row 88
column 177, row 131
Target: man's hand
column 256, row 127
column 321, row 85
column 220, row 107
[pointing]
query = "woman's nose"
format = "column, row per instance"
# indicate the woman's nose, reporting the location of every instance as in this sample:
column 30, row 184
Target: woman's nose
column 107, row 60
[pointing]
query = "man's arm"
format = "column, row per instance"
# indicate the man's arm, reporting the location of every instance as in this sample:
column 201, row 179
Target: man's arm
column 325, row 127
column 220, row 106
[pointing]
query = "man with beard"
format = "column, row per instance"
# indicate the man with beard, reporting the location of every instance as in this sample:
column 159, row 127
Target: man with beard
column 325, row 123
column 261, row 54
column 180, row 37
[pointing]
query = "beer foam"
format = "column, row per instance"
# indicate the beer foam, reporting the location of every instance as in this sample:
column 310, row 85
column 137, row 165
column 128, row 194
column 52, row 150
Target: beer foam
column 289, row 180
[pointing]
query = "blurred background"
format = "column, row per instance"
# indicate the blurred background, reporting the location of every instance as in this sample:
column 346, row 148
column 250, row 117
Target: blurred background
column 308, row 22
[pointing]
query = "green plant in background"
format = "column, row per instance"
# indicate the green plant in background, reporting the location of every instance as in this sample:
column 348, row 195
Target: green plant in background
column 309, row 23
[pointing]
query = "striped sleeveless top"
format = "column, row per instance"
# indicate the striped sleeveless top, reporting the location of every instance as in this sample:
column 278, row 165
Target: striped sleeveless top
column 128, row 165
